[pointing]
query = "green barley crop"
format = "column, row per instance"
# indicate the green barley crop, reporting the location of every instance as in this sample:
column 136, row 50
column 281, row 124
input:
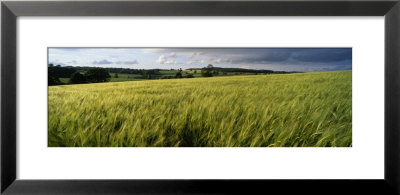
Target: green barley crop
column 287, row 110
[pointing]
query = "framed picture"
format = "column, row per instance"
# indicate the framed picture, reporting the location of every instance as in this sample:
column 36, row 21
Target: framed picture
column 199, row 97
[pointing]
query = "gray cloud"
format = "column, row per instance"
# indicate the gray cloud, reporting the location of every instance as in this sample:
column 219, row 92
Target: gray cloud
column 165, row 60
column 172, row 55
column 322, row 55
column 129, row 62
column 262, row 55
column 101, row 62
column 291, row 59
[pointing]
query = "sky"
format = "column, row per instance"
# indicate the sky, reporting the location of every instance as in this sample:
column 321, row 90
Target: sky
column 277, row 59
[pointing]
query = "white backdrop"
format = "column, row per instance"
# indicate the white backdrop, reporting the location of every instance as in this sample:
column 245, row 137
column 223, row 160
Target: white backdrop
column 364, row 160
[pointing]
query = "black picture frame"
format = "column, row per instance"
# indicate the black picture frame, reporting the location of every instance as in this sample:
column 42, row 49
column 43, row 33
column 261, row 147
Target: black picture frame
column 10, row 10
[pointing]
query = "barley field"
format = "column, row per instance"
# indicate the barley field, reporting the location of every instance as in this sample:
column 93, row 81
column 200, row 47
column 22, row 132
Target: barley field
column 280, row 110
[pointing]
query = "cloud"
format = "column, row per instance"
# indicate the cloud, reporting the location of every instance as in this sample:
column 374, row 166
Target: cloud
column 172, row 55
column 258, row 58
column 262, row 56
column 273, row 55
column 323, row 55
column 101, row 62
column 129, row 62
column 171, row 62
column 164, row 60
column 220, row 60
column 192, row 62
column 215, row 61
column 161, row 59
column 296, row 59
column 208, row 60
column 194, row 54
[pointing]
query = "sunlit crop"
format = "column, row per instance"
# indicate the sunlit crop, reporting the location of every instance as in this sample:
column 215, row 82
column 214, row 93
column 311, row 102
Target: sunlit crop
column 280, row 110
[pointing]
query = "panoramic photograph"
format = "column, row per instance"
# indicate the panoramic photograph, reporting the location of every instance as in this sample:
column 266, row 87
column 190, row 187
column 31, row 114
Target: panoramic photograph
column 199, row 97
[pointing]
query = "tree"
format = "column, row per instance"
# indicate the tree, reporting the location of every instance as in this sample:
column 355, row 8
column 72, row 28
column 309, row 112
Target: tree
column 97, row 75
column 179, row 74
column 53, row 79
column 61, row 72
column 207, row 71
column 116, row 75
column 147, row 74
column 77, row 78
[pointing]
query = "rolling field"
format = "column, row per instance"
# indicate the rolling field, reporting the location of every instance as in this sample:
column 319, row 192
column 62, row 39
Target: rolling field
column 281, row 110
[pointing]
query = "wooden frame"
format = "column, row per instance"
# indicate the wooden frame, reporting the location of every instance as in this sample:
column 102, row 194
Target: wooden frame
column 10, row 10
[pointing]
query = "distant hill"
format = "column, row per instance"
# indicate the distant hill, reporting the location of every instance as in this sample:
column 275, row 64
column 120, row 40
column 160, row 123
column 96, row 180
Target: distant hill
column 244, row 70
column 58, row 75
column 157, row 71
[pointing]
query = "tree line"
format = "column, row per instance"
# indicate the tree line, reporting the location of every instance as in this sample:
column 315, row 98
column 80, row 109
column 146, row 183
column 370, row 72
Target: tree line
column 120, row 70
column 78, row 75
column 210, row 71
column 92, row 75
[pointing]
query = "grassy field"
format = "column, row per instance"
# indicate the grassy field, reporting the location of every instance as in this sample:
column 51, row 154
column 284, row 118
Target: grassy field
column 288, row 110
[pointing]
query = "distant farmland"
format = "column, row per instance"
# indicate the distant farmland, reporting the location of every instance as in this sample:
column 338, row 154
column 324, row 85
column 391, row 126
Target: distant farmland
column 277, row 110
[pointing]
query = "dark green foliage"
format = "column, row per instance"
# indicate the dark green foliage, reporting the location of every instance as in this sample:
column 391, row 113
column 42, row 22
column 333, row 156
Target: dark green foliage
column 207, row 71
column 243, row 70
column 157, row 71
column 53, row 79
column 167, row 77
column 77, row 78
column 178, row 74
column 57, row 72
column 59, row 75
column 60, row 72
column 97, row 75
column 147, row 74
column 122, row 70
